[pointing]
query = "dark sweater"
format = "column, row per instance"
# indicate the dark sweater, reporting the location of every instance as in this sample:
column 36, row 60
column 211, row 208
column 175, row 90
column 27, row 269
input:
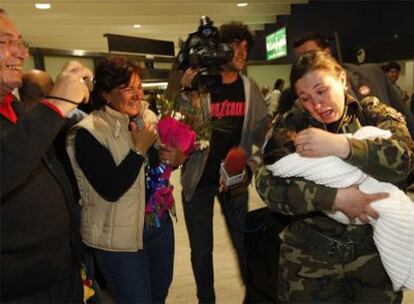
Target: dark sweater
column 39, row 237
column 98, row 165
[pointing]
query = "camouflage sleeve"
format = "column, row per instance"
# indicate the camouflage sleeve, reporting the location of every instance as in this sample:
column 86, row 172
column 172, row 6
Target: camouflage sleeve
column 388, row 160
column 290, row 195
column 293, row 195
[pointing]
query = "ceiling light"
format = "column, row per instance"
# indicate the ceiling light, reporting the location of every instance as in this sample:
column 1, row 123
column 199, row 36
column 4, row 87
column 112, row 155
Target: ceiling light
column 161, row 85
column 43, row 6
column 78, row 52
column 242, row 4
column 137, row 25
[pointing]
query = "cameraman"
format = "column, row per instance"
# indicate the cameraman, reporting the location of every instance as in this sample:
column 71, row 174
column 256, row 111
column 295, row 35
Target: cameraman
column 238, row 106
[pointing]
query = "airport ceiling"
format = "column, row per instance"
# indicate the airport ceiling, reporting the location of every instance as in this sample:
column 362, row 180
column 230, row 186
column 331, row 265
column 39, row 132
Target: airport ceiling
column 80, row 24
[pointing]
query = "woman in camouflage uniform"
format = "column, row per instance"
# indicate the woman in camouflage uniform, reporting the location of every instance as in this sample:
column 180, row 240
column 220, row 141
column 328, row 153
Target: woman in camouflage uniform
column 322, row 260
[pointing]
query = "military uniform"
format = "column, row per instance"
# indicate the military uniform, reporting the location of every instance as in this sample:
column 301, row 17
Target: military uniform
column 322, row 260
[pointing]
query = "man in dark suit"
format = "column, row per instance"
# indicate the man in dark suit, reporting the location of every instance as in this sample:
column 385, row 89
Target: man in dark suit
column 39, row 235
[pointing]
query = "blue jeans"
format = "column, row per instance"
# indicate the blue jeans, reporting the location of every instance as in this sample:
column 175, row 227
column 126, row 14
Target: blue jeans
column 198, row 213
column 144, row 276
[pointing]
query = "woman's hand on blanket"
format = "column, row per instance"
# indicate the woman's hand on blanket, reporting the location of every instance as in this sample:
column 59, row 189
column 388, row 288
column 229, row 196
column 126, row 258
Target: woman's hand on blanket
column 357, row 204
column 314, row 142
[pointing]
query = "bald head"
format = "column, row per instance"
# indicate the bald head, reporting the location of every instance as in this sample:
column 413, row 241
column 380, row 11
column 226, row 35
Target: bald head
column 36, row 85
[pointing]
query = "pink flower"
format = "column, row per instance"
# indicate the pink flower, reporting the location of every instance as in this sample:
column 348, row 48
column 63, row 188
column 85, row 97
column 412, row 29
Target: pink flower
column 164, row 200
column 177, row 134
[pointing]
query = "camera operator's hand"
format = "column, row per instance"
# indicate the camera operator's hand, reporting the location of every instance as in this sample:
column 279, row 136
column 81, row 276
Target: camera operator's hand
column 188, row 77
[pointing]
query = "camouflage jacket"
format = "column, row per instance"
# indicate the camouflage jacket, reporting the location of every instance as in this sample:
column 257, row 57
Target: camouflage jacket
column 388, row 160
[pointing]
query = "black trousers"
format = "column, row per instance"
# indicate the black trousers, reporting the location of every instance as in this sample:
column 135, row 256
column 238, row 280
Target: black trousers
column 198, row 213
column 68, row 290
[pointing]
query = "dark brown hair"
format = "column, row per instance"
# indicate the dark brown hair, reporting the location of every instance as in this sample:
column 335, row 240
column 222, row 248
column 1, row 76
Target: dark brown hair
column 392, row 65
column 236, row 31
column 319, row 40
column 111, row 73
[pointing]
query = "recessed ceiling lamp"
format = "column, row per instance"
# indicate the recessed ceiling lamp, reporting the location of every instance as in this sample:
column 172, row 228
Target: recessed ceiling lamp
column 162, row 85
column 78, row 52
column 43, row 6
column 242, row 4
column 137, row 25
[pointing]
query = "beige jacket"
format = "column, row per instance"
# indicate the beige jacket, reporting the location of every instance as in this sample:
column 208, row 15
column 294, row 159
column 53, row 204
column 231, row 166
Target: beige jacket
column 112, row 226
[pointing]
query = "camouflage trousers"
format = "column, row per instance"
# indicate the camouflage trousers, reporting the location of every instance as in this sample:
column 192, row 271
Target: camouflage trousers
column 309, row 277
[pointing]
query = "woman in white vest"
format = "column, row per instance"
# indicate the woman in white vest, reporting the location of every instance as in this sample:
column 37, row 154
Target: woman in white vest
column 109, row 151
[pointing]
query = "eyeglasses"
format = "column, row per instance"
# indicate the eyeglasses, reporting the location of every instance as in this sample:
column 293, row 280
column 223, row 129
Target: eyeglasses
column 14, row 43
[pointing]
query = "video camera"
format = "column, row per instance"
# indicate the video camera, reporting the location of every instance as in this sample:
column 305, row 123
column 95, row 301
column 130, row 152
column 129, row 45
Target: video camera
column 202, row 50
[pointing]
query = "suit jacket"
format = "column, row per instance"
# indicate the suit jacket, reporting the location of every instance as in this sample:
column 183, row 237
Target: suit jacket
column 40, row 243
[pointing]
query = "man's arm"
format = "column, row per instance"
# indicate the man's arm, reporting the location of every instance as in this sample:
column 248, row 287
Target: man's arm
column 25, row 144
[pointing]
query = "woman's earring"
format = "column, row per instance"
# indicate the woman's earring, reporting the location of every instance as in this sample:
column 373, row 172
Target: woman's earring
column 108, row 101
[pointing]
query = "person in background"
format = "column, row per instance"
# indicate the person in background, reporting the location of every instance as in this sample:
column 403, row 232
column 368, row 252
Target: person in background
column 393, row 70
column 152, row 102
column 36, row 85
column 363, row 80
column 109, row 151
column 200, row 174
column 265, row 90
column 40, row 245
column 275, row 97
column 332, row 262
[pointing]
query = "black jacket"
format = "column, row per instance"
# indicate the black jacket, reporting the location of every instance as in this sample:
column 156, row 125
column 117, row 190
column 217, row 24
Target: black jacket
column 39, row 234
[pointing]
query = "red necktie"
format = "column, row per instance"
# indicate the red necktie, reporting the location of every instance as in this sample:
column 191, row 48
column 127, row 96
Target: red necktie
column 6, row 109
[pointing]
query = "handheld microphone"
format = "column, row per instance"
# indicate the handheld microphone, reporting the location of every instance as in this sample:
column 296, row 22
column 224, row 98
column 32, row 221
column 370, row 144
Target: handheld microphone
column 232, row 169
column 139, row 121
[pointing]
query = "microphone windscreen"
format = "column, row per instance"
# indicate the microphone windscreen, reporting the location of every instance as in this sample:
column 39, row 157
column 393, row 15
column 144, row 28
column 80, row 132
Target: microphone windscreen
column 235, row 161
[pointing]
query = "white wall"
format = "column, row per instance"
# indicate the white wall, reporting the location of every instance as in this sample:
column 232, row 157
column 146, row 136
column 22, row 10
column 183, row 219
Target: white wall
column 28, row 64
column 53, row 64
column 406, row 79
column 267, row 74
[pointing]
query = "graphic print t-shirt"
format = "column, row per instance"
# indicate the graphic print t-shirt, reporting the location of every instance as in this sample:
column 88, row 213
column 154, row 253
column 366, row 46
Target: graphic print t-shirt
column 227, row 113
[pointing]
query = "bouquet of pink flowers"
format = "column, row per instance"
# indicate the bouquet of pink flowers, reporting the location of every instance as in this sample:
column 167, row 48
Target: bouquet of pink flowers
column 172, row 133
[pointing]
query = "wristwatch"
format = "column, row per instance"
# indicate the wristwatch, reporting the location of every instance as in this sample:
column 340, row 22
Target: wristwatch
column 139, row 152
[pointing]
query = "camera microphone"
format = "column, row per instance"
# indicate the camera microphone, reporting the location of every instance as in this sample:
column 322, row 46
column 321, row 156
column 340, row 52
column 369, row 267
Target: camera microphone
column 232, row 169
